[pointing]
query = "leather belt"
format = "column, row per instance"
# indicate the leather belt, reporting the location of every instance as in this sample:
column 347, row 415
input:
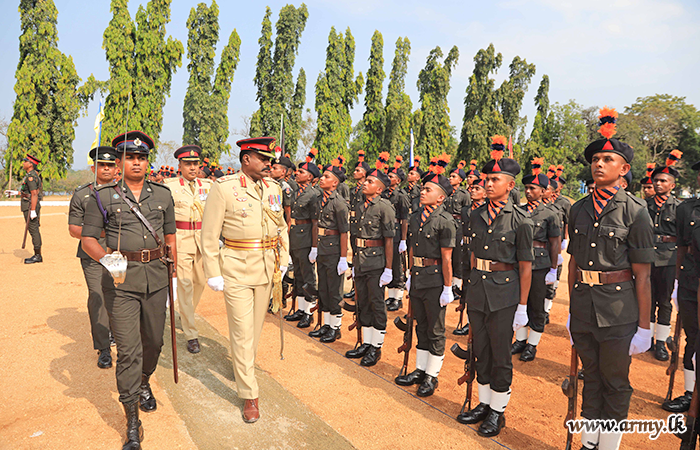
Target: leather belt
column 539, row 244
column 251, row 244
column 182, row 225
column 486, row 265
column 665, row 239
column 425, row 262
column 594, row 277
column 327, row 232
column 369, row 242
column 457, row 216
column 300, row 221
column 145, row 255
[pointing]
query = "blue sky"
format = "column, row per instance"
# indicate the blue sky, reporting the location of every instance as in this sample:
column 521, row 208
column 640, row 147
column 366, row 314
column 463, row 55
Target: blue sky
column 597, row 53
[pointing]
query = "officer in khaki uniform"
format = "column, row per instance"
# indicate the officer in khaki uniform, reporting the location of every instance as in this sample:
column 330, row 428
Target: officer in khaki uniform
column 401, row 203
column 105, row 169
column 136, row 307
column 246, row 209
column 190, row 196
column 31, row 193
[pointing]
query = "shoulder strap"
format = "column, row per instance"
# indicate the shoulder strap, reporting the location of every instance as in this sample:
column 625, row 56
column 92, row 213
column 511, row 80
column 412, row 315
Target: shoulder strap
column 99, row 204
column 138, row 213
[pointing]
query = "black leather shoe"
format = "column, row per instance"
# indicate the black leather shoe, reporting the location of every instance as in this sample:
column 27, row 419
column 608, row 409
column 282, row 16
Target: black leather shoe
column 350, row 294
column 678, row 404
column 33, row 259
column 296, row 316
column 134, row 430
column 104, row 361
column 474, row 415
column 395, row 305
column 580, row 374
column 415, row 377
column 112, row 342
column 492, row 424
column 320, row 331
column 428, row 386
column 660, row 353
column 147, row 402
column 529, row 353
column 306, row 321
column 193, row 346
column 388, row 301
column 517, row 347
column 331, row 335
column 372, row 356
column 546, row 318
column 358, row 352
column 462, row 331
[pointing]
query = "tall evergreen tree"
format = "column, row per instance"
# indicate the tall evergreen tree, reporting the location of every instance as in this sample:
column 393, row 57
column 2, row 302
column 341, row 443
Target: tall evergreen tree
column 398, row 103
column 538, row 134
column 374, row 117
column 434, row 131
column 510, row 95
column 337, row 90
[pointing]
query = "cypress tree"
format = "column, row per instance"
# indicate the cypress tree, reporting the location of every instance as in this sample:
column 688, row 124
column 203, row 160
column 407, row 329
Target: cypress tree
column 374, row 118
column 398, row 103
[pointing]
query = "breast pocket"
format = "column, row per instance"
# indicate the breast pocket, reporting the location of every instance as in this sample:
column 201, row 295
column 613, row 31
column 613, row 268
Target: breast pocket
column 613, row 240
column 505, row 245
column 155, row 213
column 372, row 258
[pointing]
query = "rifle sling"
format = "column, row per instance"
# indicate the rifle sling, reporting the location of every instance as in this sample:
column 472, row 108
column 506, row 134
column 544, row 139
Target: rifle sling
column 138, row 213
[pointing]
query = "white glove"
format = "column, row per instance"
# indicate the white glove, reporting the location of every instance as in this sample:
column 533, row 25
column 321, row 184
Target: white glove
column 674, row 294
column 402, row 246
column 447, row 296
column 283, row 269
column 352, row 272
column 313, row 254
column 461, row 242
column 386, row 277
column 216, row 283
column 551, row 276
column 408, row 284
column 560, row 259
column 221, row 244
column 568, row 328
column 641, row 341
column 342, row 265
column 520, row 319
column 564, row 244
column 32, row 214
column 167, row 302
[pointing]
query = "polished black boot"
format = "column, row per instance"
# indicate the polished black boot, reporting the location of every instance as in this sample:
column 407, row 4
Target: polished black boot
column 546, row 318
column 395, row 305
column 428, row 386
column 415, row 377
column 331, row 335
column 104, row 361
column 317, row 333
column 474, row 415
column 147, row 402
column 517, row 347
column 678, row 404
column 350, row 294
column 660, row 353
column 296, row 316
column 462, row 331
column 306, row 321
column 34, row 259
column 372, row 357
column 528, row 353
column 358, row 352
column 388, row 301
column 492, row 424
column 134, row 430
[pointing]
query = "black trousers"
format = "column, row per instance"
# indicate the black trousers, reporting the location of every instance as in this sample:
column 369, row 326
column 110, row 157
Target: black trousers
column 688, row 311
column 33, row 228
column 304, row 272
column 99, row 319
column 535, row 300
column 493, row 333
column 457, row 255
column 138, row 322
column 662, row 279
column 430, row 319
column 398, row 280
column 330, row 284
column 370, row 299
column 604, row 353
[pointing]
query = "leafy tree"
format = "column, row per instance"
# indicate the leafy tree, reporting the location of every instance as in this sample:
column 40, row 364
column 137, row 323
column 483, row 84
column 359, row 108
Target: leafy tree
column 538, row 134
column 509, row 96
column 398, row 103
column 374, row 118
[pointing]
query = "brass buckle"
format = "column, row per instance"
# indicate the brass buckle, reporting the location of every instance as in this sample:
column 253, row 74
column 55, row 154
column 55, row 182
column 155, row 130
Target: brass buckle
column 321, row 231
column 483, row 265
column 360, row 242
column 590, row 277
column 418, row 262
column 145, row 255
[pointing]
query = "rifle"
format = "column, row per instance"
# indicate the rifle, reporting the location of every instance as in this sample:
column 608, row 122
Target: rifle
column 460, row 309
column 26, row 229
column 407, row 329
column 170, row 263
column 673, row 345
column 570, row 388
column 469, row 368
column 289, row 278
column 356, row 323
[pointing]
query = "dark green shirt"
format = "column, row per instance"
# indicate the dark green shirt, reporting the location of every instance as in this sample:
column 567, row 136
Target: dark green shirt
column 287, row 193
column 687, row 219
column 436, row 233
column 546, row 225
column 402, row 206
column 344, row 191
column 356, row 198
column 76, row 213
column 32, row 181
column 564, row 205
column 333, row 216
column 156, row 204
column 304, row 207
column 413, row 196
column 454, row 203
column 621, row 236
column 664, row 221
column 377, row 221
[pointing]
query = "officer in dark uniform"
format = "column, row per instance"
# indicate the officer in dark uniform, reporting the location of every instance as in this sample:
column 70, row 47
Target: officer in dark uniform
column 372, row 264
column 609, row 284
column 546, row 245
column 499, row 283
column 332, row 252
column 356, row 199
column 413, row 187
column 662, row 209
column 432, row 239
column 136, row 307
column 31, row 193
column 648, row 182
column 453, row 205
column 302, row 240
column 401, row 203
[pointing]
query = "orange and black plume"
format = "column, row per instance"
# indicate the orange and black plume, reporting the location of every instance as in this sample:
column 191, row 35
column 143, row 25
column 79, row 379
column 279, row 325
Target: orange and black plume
column 498, row 146
column 472, row 164
column 608, row 120
column 537, row 164
column 673, row 157
column 462, row 164
column 650, row 168
column 311, row 155
column 360, row 156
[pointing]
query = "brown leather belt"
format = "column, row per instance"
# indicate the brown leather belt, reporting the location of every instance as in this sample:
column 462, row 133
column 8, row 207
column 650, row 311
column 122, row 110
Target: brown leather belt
column 352, row 213
column 425, row 262
column 486, row 265
column 145, row 255
column 665, row 239
column 457, row 216
column 327, row 232
column 363, row 243
column 300, row 221
column 593, row 277
column 181, row 225
column 539, row 244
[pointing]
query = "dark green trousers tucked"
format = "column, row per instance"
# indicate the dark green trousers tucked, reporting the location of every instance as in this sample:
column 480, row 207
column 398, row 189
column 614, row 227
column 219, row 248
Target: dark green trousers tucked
column 430, row 319
column 535, row 300
column 493, row 333
column 304, row 272
column 34, row 228
column 138, row 321
column 99, row 319
column 370, row 299
column 330, row 284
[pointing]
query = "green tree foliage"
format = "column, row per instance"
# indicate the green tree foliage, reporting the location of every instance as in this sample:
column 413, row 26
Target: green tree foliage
column 398, row 103
column 205, row 112
column 141, row 64
column 539, row 127
column 337, row 90
column 509, row 96
column 49, row 100
column 374, row 118
column 277, row 94
column 434, row 130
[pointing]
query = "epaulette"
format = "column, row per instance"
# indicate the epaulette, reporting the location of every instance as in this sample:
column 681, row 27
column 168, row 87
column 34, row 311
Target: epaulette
column 226, row 178
column 102, row 186
column 164, row 186
column 637, row 200
column 82, row 186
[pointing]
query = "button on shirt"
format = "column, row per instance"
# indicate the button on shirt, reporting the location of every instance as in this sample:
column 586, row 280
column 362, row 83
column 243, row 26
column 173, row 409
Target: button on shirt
column 546, row 225
column 426, row 241
column 664, row 221
column 333, row 216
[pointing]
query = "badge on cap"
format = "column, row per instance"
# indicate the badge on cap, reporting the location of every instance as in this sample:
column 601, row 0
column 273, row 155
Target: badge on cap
column 137, row 141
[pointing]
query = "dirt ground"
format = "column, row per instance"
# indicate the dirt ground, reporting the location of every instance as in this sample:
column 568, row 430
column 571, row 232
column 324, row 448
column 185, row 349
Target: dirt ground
column 52, row 395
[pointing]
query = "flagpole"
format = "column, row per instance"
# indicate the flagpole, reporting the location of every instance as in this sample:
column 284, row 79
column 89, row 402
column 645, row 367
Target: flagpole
column 411, row 147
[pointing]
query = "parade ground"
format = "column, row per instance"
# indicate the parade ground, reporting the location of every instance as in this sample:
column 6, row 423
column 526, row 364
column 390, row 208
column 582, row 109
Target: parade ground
column 53, row 395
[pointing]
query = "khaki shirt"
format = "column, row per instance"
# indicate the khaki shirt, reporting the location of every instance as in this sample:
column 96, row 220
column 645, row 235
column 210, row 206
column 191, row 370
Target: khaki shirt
column 236, row 210
column 436, row 233
column 333, row 216
column 546, row 225
column 76, row 213
column 32, row 181
column 377, row 221
column 664, row 221
column 189, row 208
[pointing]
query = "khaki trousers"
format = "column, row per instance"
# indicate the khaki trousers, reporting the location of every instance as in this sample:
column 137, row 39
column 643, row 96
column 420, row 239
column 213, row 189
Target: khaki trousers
column 190, row 285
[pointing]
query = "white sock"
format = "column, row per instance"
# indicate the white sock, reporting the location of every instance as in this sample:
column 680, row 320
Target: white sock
column 389, row 293
column 547, row 304
column 327, row 318
column 399, row 294
column 589, row 439
column 689, row 379
column 652, row 327
column 301, row 303
column 434, row 365
column 534, row 337
column 367, row 333
column 499, row 400
column 662, row 332
column 308, row 306
column 609, row 441
column 484, row 393
column 521, row 334
column 422, row 359
column 378, row 337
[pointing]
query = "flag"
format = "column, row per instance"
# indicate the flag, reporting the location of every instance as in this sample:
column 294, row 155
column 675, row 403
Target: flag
column 98, row 132
column 510, row 146
column 411, row 146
